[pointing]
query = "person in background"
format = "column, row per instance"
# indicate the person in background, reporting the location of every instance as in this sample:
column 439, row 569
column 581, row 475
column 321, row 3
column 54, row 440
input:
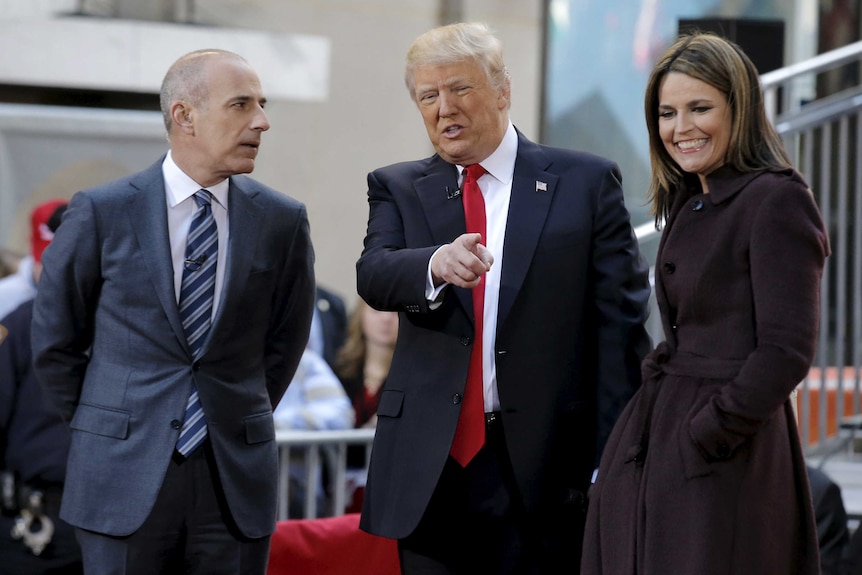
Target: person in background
column 833, row 534
column 173, row 311
column 314, row 400
column 328, row 326
column 9, row 262
column 704, row 472
column 363, row 361
column 20, row 286
column 522, row 297
column 362, row 365
column 34, row 445
column 852, row 562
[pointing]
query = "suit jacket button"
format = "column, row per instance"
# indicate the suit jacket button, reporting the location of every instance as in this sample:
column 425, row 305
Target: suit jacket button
column 175, row 424
column 465, row 341
column 697, row 205
column 196, row 365
column 669, row 267
column 722, row 450
column 456, row 399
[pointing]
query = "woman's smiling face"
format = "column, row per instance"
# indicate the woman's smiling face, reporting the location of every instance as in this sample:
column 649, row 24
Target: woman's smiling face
column 694, row 121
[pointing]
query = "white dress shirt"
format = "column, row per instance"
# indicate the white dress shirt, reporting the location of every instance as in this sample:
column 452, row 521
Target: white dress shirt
column 179, row 192
column 496, row 186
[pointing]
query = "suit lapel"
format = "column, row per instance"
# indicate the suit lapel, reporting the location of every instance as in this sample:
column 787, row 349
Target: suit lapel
column 441, row 200
column 149, row 220
column 243, row 218
column 533, row 190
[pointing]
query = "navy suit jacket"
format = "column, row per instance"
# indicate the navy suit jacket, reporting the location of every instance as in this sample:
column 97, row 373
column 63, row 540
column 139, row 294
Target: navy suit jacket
column 570, row 328
column 110, row 351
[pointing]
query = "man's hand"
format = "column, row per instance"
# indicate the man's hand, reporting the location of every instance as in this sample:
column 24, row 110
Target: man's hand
column 461, row 263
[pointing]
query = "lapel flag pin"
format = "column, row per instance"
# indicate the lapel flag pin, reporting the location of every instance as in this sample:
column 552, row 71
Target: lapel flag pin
column 541, row 186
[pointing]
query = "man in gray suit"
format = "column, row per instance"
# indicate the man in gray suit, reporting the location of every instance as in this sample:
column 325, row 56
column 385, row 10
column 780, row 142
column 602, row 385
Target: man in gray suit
column 130, row 348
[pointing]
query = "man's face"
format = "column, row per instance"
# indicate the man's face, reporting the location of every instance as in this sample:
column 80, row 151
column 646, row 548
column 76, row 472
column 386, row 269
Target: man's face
column 229, row 123
column 465, row 117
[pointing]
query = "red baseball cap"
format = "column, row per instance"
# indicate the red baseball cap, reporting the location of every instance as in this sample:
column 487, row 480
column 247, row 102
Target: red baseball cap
column 42, row 228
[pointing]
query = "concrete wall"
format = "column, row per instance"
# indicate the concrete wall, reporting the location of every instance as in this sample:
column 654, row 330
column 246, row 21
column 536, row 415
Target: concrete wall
column 319, row 150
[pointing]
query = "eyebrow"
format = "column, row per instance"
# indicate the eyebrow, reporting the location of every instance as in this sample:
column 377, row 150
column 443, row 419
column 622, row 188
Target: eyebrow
column 690, row 103
column 447, row 84
column 245, row 98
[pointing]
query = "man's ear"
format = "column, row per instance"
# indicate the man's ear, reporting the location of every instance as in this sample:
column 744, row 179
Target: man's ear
column 181, row 116
column 504, row 98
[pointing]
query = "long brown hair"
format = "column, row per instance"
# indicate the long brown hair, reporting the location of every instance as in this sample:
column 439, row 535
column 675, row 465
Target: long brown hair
column 351, row 356
column 754, row 143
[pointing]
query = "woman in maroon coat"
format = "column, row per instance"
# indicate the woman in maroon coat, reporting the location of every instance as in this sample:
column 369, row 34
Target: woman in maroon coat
column 704, row 472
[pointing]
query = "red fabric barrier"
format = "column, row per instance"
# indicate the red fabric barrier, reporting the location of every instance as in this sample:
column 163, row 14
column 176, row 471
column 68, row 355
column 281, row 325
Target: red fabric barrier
column 330, row 546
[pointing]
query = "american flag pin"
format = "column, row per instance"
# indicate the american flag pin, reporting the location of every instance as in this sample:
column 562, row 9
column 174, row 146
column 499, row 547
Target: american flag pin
column 541, row 186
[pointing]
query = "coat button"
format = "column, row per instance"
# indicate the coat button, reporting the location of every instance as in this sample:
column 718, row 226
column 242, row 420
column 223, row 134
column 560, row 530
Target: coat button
column 722, row 450
column 669, row 267
column 697, row 205
column 456, row 399
column 175, row 424
column 465, row 341
column 196, row 365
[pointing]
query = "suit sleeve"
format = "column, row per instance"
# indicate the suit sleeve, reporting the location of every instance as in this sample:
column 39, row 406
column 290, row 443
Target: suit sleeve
column 787, row 251
column 390, row 275
column 289, row 330
column 621, row 293
column 64, row 308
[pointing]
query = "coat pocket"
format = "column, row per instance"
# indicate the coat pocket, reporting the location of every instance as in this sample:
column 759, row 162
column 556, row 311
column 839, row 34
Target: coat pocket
column 695, row 463
column 259, row 428
column 101, row 421
column 391, row 401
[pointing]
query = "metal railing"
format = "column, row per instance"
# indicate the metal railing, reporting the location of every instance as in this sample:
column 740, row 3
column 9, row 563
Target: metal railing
column 318, row 449
column 822, row 136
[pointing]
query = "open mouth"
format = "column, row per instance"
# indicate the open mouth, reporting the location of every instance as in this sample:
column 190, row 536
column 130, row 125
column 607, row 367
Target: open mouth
column 692, row 145
column 453, row 130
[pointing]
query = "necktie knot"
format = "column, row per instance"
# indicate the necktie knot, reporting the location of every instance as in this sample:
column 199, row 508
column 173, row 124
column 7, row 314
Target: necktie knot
column 203, row 198
column 474, row 172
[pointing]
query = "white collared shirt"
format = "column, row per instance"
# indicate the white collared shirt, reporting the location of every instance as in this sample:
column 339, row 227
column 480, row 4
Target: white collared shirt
column 179, row 189
column 496, row 188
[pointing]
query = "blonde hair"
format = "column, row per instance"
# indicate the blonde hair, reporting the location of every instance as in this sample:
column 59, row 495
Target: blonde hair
column 456, row 43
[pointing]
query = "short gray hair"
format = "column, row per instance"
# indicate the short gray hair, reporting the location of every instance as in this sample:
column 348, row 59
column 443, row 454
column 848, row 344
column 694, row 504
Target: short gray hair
column 186, row 80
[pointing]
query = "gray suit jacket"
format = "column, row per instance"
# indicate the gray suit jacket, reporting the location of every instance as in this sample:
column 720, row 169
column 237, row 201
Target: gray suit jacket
column 109, row 348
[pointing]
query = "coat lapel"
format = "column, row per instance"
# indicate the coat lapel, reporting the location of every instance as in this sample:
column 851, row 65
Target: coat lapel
column 243, row 217
column 533, row 190
column 149, row 220
column 441, row 200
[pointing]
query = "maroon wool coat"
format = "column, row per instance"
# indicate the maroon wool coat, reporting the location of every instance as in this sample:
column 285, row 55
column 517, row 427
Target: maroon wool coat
column 704, row 473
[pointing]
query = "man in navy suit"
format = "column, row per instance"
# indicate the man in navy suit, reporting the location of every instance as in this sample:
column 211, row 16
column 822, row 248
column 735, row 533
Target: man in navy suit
column 565, row 299
column 111, row 351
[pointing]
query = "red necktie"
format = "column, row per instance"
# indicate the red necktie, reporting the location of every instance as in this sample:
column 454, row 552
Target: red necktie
column 470, row 433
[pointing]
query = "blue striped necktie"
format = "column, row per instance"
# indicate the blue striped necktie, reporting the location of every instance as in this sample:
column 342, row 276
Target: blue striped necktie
column 196, row 305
